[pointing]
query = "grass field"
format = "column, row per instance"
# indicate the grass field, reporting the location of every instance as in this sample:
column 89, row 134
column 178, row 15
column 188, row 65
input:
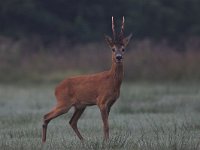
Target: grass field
column 146, row 117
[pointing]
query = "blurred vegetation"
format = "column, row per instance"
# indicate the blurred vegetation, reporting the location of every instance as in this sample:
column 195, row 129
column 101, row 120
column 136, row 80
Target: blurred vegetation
column 87, row 20
column 25, row 60
column 46, row 40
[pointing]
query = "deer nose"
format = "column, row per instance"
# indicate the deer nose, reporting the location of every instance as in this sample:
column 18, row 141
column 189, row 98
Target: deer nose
column 118, row 57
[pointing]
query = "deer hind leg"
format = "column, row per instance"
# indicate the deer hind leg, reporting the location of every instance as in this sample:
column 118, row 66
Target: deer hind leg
column 57, row 111
column 73, row 122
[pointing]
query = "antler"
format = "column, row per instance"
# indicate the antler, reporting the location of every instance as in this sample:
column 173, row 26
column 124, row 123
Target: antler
column 122, row 28
column 113, row 28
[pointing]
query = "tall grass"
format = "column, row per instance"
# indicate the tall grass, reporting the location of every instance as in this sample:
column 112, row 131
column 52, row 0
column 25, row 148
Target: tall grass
column 157, row 117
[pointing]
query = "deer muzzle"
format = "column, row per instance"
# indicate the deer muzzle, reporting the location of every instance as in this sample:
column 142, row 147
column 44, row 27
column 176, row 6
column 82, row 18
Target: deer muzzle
column 119, row 57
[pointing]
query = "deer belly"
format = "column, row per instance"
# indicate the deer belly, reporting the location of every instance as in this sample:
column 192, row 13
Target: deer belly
column 86, row 98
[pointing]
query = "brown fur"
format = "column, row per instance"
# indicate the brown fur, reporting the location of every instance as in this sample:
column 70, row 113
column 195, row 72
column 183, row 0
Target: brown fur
column 101, row 89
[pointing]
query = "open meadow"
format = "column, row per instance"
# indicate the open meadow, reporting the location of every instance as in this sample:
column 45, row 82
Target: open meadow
column 148, row 116
column 44, row 41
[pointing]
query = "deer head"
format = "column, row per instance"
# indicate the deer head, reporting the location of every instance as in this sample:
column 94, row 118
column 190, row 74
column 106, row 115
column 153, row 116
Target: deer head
column 118, row 43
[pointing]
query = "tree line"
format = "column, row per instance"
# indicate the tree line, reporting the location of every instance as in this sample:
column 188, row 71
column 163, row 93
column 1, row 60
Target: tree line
column 88, row 20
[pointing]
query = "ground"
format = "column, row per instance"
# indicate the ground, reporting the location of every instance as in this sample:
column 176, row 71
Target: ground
column 147, row 116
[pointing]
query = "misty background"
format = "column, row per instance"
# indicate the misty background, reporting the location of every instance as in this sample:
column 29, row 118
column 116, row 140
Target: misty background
column 46, row 40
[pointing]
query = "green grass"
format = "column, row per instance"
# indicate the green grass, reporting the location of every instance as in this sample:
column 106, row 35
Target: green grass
column 146, row 117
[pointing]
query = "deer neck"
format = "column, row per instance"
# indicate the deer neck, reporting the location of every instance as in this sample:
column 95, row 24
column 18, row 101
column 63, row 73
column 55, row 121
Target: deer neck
column 117, row 72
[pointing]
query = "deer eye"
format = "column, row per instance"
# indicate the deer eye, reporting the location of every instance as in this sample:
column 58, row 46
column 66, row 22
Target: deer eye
column 113, row 49
column 123, row 49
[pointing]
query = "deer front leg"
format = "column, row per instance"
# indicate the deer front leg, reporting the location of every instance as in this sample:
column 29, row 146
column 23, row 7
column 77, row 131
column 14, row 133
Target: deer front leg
column 110, row 105
column 104, row 115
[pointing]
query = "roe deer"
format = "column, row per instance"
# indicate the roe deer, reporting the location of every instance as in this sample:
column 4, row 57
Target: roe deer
column 101, row 89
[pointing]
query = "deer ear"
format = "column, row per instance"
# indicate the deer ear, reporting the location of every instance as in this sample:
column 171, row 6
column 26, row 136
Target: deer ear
column 127, row 39
column 109, row 41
